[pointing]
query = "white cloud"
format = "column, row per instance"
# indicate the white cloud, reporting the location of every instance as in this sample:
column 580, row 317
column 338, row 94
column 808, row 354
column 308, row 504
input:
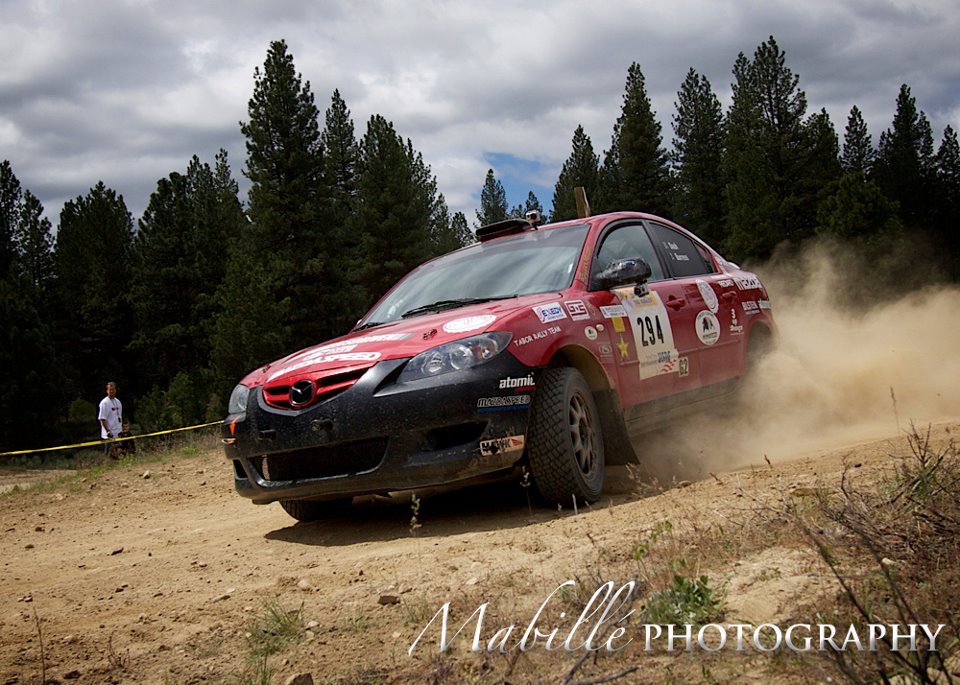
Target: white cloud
column 128, row 91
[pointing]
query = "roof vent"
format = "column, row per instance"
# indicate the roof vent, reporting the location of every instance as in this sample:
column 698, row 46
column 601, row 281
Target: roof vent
column 502, row 228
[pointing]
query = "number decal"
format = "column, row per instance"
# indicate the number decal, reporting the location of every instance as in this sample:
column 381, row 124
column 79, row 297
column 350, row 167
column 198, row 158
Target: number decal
column 652, row 333
column 651, row 330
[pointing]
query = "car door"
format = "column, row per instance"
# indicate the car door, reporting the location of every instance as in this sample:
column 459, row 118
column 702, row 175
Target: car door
column 651, row 333
column 712, row 299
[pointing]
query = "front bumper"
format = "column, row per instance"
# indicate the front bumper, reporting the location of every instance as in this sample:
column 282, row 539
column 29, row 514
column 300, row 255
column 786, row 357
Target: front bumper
column 380, row 436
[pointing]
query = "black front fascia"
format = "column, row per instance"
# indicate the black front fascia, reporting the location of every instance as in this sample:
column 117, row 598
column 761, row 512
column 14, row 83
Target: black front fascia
column 381, row 436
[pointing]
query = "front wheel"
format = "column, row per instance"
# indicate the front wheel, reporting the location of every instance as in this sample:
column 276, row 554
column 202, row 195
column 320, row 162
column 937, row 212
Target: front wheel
column 565, row 443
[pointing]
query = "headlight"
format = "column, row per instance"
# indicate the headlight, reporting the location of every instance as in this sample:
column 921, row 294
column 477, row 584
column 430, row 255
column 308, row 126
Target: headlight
column 238, row 400
column 456, row 356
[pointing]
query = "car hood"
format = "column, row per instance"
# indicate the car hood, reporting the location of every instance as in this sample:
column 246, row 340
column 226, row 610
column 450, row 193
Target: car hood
column 397, row 340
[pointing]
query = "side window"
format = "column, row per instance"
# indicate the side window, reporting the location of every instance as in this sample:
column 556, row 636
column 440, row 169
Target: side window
column 682, row 256
column 627, row 242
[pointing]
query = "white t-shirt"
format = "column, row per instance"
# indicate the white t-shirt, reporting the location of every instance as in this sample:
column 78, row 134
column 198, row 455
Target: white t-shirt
column 112, row 411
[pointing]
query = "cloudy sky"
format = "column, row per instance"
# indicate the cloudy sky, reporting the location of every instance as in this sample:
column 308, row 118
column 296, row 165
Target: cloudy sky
column 126, row 91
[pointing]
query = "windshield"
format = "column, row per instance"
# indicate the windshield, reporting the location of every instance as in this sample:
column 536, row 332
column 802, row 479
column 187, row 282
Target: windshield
column 533, row 262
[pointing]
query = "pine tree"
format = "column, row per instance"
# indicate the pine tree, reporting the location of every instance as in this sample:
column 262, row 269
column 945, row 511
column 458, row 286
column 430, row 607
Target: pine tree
column 532, row 204
column 11, row 204
column 582, row 169
column 285, row 271
column 857, row 209
column 178, row 268
column 904, row 162
column 31, row 380
column 948, row 184
column 858, row 153
column 493, row 201
column 634, row 175
column 93, row 288
column 461, row 230
column 285, row 165
column 398, row 208
column 818, row 172
column 34, row 241
column 778, row 163
column 340, row 160
column 948, row 168
column 31, row 391
column 697, row 156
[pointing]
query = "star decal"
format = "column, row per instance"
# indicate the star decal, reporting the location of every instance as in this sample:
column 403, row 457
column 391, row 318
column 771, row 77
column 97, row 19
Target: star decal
column 624, row 348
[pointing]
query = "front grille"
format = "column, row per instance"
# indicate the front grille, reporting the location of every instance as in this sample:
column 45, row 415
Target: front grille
column 323, row 462
column 325, row 388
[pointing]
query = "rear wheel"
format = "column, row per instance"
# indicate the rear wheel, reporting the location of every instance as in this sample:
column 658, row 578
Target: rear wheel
column 759, row 346
column 565, row 443
column 310, row 510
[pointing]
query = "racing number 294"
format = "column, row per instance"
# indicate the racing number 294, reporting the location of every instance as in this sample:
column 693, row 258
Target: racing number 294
column 651, row 332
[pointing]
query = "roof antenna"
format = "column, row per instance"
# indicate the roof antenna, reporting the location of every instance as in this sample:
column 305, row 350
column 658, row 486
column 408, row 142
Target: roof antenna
column 583, row 204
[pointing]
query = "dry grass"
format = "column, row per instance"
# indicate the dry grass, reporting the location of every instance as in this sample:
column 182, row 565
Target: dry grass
column 889, row 544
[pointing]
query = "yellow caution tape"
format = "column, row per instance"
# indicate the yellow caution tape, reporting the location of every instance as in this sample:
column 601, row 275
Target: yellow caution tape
column 111, row 441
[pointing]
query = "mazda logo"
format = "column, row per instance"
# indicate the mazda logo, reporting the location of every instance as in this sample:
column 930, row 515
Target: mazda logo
column 301, row 393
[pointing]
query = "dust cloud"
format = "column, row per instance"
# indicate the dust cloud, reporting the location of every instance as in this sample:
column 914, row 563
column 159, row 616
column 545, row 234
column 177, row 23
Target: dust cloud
column 842, row 373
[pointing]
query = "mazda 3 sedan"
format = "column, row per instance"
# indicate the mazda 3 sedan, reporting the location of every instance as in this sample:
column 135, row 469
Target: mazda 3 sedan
column 549, row 348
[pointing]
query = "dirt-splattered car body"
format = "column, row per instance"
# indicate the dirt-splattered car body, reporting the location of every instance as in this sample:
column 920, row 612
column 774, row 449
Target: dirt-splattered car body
column 542, row 346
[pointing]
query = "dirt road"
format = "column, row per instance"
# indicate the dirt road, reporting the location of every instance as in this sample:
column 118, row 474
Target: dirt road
column 153, row 573
column 159, row 572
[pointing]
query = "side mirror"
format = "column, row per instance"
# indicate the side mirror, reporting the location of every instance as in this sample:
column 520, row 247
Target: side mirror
column 622, row 272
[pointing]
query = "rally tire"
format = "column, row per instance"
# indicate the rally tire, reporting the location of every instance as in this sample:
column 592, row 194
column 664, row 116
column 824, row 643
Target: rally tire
column 565, row 440
column 309, row 510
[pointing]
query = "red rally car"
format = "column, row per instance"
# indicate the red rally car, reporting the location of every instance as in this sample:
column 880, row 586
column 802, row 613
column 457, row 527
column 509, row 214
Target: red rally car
column 550, row 347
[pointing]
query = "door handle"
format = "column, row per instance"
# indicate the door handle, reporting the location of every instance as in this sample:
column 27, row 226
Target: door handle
column 729, row 296
column 676, row 302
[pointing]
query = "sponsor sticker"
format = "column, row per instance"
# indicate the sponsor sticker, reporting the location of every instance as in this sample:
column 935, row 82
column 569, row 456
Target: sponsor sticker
column 764, row 304
column 683, row 367
column 383, row 337
column 735, row 327
column 349, row 345
column 503, row 403
column 510, row 383
column 549, row 312
column 539, row 335
column 750, row 307
column 748, row 282
column 590, row 332
column 584, row 272
column 512, row 443
column 725, row 283
column 613, row 311
column 618, row 325
column 709, row 297
column 329, row 349
column 327, row 359
column 577, row 310
column 469, row 323
column 708, row 328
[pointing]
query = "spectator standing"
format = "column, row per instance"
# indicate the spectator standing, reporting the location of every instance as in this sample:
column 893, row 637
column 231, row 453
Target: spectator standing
column 110, row 415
